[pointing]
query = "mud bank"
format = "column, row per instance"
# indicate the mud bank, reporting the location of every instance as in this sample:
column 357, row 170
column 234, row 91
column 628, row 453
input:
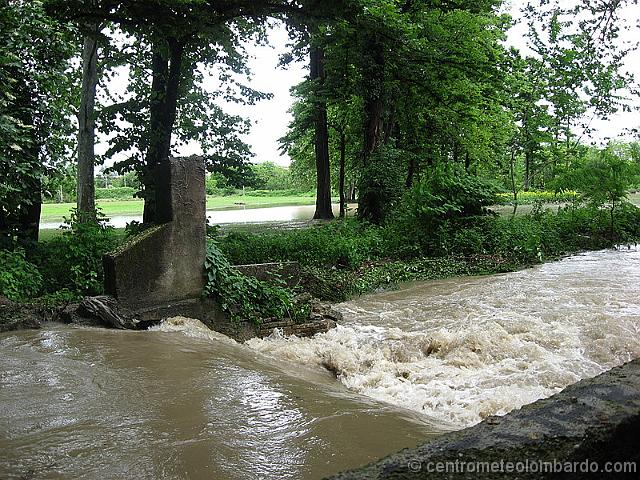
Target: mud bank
column 579, row 433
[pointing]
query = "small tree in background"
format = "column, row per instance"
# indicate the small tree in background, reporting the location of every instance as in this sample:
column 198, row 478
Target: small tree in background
column 604, row 180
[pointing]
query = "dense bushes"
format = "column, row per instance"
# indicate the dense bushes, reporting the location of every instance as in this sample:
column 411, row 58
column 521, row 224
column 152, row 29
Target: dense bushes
column 246, row 298
column 395, row 253
column 347, row 244
column 19, row 279
column 73, row 260
column 528, row 198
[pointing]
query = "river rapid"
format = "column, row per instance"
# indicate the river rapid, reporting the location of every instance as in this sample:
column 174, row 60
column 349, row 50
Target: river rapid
column 181, row 402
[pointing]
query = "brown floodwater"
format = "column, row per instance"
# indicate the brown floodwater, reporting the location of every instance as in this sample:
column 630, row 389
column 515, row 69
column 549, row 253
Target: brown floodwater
column 181, row 402
column 100, row 404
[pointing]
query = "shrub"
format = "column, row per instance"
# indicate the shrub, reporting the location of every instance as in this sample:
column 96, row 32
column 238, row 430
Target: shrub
column 247, row 298
column 345, row 244
column 19, row 279
column 426, row 208
column 73, row 260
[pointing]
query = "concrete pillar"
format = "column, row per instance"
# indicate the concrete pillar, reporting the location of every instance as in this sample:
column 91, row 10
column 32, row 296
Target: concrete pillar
column 166, row 262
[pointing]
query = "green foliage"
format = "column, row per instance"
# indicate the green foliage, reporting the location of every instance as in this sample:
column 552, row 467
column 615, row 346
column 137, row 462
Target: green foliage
column 531, row 197
column 36, row 98
column 532, row 238
column 60, row 185
column 245, row 298
column 440, row 197
column 115, row 193
column 19, row 279
column 269, row 176
column 73, row 260
column 345, row 244
column 377, row 256
column 381, row 185
column 605, row 178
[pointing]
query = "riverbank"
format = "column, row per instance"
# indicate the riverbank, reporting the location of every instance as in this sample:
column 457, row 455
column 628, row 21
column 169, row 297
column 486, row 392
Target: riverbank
column 349, row 258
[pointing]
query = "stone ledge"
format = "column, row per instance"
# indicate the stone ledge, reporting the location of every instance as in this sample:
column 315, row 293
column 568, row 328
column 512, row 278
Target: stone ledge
column 107, row 311
column 595, row 419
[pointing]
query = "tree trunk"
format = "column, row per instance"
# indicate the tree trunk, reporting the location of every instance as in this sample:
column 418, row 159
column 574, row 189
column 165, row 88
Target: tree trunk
column 343, row 158
column 370, row 205
column 352, row 191
column 167, row 73
column 514, row 186
column 29, row 227
column 86, row 132
column 527, row 171
column 374, row 98
column 411, row 172
column 323, row 170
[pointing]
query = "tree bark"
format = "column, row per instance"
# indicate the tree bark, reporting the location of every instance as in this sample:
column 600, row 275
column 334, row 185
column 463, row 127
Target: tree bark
column 323, row 170
column 410, row 172
column 29, row 227
column 527, row 171
column 86, row 132
column 343, row 158
column 370, row 202
column 165, row 88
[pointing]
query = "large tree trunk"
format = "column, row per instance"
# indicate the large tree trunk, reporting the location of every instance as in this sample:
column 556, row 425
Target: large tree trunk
column 29, row 227
column 370, row 202
column 165, row 87
column 86, row 132
column 343, row 158
column 323, row 170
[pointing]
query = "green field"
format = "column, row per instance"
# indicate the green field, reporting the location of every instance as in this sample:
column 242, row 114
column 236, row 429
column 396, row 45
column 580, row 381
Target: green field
column 54, row 212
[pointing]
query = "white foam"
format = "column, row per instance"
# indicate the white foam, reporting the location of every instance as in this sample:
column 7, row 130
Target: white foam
column 464, row 349
column 191, row 328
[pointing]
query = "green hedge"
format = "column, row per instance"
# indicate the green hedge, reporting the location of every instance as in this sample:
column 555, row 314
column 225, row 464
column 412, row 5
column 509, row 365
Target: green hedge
column 115, row 193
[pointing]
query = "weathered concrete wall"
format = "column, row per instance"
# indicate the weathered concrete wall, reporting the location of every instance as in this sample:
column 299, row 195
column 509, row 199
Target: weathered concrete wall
column 596, row 420
column 166, row 263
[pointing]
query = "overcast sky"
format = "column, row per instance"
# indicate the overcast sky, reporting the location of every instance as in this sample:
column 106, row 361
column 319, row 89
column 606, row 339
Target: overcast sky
column 271, row 117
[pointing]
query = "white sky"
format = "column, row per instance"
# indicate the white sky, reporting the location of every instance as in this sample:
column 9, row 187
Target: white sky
column 271, row 117
column 618, row 125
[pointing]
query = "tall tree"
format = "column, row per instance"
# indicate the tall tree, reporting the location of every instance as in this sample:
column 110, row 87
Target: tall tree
column 35, row 105
column 321, row 136
column 179, row 34
column 86, row 120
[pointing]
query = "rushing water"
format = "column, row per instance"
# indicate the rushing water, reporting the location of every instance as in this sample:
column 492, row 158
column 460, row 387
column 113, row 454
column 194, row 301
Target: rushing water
column 462, row 349
column 103, row 404
column 182, row 402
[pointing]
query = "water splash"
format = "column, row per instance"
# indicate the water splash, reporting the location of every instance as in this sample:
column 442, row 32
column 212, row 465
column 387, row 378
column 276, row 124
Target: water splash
column 463, row 349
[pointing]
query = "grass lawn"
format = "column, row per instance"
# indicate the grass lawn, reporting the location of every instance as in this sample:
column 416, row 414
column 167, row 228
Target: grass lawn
column 53, row 212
